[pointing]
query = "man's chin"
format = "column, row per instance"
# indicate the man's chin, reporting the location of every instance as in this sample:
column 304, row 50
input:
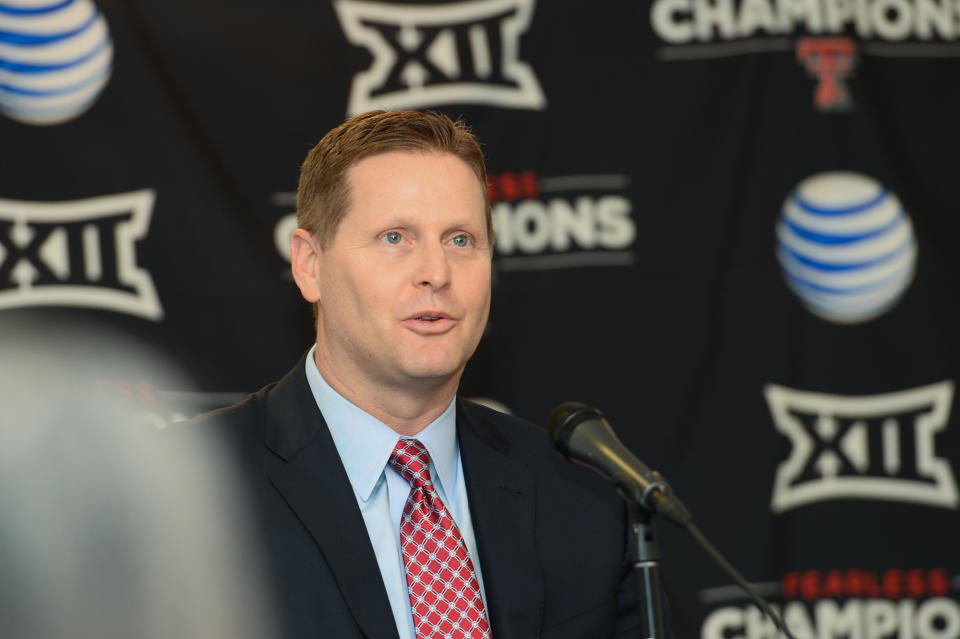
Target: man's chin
column 431, row 374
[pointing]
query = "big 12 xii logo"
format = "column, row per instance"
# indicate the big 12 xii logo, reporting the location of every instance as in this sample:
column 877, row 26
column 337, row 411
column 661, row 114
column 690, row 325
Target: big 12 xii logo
column 444, row 53
column 863, row 447
column 77, row 253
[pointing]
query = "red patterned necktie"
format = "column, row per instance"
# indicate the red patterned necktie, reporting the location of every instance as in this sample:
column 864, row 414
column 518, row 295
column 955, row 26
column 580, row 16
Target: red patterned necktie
column 444, row 593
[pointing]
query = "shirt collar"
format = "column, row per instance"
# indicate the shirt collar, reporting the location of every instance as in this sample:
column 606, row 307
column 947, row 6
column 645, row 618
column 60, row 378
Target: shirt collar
column 365, row 443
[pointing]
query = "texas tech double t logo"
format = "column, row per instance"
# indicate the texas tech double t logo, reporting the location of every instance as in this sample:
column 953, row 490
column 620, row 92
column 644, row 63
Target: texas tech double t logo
column 447, row 53
column 830, row 61
column 77, row 253
column 863, row 447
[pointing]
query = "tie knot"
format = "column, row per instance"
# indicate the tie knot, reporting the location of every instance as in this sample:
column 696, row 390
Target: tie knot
column 411, row 459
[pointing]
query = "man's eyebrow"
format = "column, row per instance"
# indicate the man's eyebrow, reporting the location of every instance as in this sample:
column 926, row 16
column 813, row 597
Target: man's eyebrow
column 408, row 220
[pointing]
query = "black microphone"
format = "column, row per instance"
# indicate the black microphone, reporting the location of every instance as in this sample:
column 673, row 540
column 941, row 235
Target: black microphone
column 581, row 433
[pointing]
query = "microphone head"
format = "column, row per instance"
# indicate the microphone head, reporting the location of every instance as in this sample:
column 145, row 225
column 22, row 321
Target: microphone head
column 563, row 419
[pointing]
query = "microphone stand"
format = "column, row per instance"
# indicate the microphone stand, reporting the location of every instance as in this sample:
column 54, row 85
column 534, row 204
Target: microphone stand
column 581, row 434
column 645, row 557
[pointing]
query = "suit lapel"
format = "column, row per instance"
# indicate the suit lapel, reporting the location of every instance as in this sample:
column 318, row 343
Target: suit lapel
column 314, row 484
column 502, row 499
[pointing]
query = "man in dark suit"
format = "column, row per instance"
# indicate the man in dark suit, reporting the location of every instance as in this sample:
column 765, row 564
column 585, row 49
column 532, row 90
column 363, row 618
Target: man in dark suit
column 389, row 507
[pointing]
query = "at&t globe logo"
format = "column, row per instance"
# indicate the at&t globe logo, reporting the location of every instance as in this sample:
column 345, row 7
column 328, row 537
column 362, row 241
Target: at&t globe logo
column 846, row 246
column 55, row 59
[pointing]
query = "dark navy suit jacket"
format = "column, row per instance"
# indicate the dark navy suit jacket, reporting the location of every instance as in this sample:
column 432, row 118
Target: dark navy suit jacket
column 550, row 535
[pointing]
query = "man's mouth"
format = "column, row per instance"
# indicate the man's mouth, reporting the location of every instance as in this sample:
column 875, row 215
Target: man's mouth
column 430, row 323
column 430, row 316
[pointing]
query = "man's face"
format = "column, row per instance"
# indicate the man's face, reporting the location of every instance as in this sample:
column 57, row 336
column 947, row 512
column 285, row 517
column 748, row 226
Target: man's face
column 404, row 286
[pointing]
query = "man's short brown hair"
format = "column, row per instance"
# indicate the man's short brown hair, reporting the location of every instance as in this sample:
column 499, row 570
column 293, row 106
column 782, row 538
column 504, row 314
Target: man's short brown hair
column 323, row 195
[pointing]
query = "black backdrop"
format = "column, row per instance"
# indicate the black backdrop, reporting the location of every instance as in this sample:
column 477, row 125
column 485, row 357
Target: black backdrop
column 731, row 224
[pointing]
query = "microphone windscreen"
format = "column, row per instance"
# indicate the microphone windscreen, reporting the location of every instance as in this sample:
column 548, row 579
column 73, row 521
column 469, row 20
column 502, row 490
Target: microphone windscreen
column 563, row 419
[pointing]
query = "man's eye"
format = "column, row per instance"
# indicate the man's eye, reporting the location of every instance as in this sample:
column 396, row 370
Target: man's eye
column 393, row 237
column 461, row 240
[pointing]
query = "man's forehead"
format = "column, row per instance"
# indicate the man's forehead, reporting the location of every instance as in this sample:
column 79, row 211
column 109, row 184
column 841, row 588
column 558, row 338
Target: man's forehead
column 402, row 157
column 379, row 168
column 351, row 222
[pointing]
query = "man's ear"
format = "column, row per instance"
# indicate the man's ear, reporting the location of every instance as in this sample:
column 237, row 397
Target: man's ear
column 305, row 253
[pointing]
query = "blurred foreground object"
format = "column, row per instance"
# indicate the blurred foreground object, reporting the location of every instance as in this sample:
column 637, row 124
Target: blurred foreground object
column 109, row 527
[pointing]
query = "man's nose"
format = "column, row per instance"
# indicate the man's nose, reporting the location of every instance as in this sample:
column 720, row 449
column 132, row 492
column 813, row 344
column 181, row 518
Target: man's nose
column 433, row 266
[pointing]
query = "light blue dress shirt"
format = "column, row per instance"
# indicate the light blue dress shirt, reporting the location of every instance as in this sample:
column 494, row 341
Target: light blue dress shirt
column 365, row 444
